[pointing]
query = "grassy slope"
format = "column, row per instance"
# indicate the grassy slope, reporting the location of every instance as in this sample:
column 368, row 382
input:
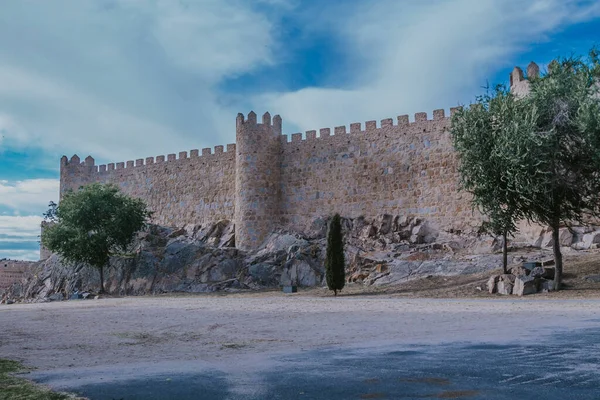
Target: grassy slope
column 14, row 388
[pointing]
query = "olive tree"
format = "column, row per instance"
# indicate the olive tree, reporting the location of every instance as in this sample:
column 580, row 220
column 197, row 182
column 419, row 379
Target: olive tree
column 93, row 223
column 480, row 135
column 564, row 148
column 539, row 159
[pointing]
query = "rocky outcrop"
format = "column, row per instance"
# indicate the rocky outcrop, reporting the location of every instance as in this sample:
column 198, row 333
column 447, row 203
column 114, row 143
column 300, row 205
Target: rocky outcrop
column 384, row 251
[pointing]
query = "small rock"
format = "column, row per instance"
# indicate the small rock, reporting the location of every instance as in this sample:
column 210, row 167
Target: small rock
column 504, row 287
column 524, row 285
column 491, row 283
column 537, row 272
column 519, row 271
column 592, row 278
column 546, row 286
column 507, row 278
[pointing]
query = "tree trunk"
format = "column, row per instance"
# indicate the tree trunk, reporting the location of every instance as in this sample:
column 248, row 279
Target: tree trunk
column 101, row 279
column 558, row 264
column 335, row 292
column 504, row 253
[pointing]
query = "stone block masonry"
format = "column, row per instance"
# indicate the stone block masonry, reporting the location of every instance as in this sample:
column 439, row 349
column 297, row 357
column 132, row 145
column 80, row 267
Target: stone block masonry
column 11, row 271
column 264, row 181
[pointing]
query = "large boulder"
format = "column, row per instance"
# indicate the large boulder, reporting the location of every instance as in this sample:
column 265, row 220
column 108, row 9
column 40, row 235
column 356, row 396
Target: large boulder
column 301, row 273
column 589, row 240
column 265, row 274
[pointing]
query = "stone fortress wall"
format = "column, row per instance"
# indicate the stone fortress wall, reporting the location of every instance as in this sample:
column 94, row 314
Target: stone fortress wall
column 266, row 181
column 11, row 271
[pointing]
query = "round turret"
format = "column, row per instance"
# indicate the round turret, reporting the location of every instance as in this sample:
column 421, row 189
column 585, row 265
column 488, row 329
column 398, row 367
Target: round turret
column 257, row 180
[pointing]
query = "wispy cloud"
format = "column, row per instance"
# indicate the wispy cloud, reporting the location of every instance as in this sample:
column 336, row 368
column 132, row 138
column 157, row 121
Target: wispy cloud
column 19, row 229
column 418, row 56
column 23, row 232
column 28, row 196
column 123, row 79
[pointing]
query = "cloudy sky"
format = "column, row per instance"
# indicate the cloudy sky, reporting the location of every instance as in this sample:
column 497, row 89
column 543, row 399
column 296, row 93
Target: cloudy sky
column 126, row 79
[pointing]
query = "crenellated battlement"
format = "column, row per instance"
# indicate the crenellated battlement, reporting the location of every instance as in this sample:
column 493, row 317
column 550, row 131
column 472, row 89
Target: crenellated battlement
column 519, row 83
column 251, row 124
column 401, row 123
column 267, row 180
column 207, row 155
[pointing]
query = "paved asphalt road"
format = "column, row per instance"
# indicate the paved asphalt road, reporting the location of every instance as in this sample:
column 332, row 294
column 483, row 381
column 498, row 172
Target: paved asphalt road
column 561, row 366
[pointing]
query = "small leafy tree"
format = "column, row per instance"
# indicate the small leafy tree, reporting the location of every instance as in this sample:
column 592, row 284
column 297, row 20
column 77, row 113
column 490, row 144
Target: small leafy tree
column 480, row 135
column 334, row 263
column 94, row 223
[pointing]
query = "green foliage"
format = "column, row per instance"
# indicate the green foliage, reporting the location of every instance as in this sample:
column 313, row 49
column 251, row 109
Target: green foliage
column 565, row 179
column 94, row 223
column 537, row 157
column 50, row 215
column 18, row 388
column 482, row 136
column 334, row 262
column 566, row 143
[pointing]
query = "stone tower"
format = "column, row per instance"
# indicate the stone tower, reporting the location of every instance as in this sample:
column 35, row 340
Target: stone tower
column 257, row 182
column 74, row 173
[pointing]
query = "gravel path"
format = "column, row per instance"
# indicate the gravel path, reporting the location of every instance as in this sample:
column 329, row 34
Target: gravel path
column 121, row 331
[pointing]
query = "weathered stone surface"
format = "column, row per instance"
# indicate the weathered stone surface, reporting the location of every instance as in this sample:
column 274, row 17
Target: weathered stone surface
column 384, row 222
column 538, row 272
column 504, row 287
column 519, row 271
column 11, row 271
column 546, row 286
column 592, row 278
column 198, row 259
column 301, row 273
column 510, row 278
column 56, row 297
column 491, row 283
column 590, row 240
column 524, row 285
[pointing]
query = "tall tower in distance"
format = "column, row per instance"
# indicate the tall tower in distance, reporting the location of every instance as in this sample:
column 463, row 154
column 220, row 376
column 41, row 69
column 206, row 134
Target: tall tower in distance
column 258, row 179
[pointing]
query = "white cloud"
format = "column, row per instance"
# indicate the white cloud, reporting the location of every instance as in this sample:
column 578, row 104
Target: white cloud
column 21, row 226
column 27, row 196
column 214, row 38
column 126, row 79
column 17, row 231
column 419, row 56
column 27, row 255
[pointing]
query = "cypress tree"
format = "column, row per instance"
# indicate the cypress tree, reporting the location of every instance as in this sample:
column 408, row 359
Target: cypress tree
column 334, row 262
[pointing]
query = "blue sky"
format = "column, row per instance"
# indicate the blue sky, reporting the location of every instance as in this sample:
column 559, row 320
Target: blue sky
column 126, row 79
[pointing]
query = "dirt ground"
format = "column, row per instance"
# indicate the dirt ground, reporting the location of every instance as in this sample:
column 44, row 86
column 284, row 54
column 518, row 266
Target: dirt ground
column 222, row 327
